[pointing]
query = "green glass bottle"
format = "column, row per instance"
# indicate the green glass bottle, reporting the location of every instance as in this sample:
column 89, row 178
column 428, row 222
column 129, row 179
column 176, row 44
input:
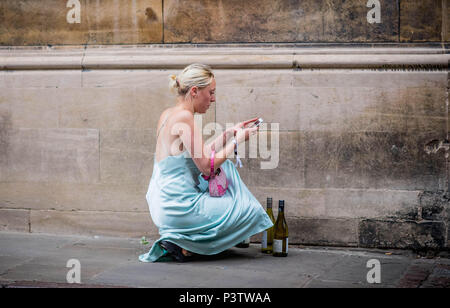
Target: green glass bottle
column 267, row 237
column 281, row 234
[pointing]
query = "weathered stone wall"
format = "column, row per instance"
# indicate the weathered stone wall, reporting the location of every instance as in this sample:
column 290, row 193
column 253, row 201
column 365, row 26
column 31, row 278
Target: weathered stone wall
column 363, row 127
column 33, row 22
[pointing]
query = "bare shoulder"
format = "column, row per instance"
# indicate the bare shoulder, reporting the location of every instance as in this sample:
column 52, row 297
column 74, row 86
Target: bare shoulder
column 183, row 115
column 176, row 114
column 165, row 113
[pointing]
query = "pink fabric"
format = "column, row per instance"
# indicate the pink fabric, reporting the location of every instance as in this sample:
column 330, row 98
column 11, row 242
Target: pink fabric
column 218, row 184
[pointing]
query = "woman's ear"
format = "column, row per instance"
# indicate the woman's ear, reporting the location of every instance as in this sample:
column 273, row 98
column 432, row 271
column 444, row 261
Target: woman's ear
column 194, row 91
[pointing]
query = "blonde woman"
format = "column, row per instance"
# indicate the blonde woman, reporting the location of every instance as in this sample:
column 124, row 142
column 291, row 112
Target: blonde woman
column 190, row 221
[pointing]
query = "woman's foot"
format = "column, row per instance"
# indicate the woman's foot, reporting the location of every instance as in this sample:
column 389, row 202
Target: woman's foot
column 186, row 253
column 177, row 253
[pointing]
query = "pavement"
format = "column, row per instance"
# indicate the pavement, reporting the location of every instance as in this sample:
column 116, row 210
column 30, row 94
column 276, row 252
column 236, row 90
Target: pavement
column 40, row 260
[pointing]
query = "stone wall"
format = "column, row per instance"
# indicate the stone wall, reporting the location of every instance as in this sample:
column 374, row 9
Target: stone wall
column 55, row 22
column 362, row 111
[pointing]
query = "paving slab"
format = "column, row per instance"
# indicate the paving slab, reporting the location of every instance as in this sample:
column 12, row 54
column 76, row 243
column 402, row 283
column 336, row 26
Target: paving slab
column 40, row 260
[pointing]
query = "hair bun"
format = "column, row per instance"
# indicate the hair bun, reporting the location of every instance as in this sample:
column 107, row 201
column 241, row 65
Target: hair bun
column 196, row 74
column 173, row 83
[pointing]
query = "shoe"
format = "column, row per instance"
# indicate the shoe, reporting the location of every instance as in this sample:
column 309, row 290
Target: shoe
column 175, row 251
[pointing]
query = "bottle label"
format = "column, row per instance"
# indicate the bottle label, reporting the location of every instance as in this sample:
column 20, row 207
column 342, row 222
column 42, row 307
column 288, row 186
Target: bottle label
column 278, row 245
column 264, row 240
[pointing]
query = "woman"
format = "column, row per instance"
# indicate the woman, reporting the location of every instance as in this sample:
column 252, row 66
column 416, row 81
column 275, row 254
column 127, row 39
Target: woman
column 188, row 218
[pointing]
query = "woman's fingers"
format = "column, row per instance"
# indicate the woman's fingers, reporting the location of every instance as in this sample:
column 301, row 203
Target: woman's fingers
column 251, row 131
column 249, row 121
column 245, row 133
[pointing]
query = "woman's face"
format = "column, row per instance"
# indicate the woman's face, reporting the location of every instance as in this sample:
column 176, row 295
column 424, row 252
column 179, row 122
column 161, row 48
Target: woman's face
column 205, row 97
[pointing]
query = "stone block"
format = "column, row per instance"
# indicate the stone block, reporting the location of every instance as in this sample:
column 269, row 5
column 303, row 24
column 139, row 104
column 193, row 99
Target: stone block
column 237, row 103
column 157, row 80
column 31, row 23
column 40, row 79
column 5, row 127
column 120, row 224
column 445, row 21
column 337, row 102
column 420, row 20
column 425, row 101
column 74, row 196
column 332, row 161
column 53, row 155
column 372, row 160
column 281, row 21
column 226, row 79
column 125, row 22
column 402, row 234
column 433, row 205
column 102, row 108
column 448, row 237
column 34, row 107
column 2, row 78
column 278, row 163
column 365, row 78
column 356, row 109
column 126, row 156
column 27, row 22
column 340, row 203
column 14, row 220
column 319, row 231
column 326, row 232
column 396, row 160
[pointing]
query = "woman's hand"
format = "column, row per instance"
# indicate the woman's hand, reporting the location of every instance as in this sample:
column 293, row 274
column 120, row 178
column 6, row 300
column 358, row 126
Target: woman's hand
column 244, row 133
column 233, row 130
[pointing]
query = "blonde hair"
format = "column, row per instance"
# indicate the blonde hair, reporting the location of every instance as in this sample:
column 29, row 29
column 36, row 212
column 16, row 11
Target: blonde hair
column 196, row 74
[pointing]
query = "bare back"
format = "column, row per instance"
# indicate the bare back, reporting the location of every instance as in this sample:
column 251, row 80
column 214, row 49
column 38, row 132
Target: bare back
column 166, row 143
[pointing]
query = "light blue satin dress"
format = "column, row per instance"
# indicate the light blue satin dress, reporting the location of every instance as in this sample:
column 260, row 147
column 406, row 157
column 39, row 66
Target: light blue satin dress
column 185, row 213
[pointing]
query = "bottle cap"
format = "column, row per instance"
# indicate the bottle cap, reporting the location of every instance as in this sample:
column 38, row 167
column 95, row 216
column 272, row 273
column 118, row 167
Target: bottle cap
column 281, row 204
column 269, row 202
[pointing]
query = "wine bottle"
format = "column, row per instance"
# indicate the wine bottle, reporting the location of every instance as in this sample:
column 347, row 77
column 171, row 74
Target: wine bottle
column 281, row 235
column 267, row 238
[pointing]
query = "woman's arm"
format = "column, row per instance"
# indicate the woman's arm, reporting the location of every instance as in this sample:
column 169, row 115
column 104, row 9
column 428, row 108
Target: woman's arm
column 193, row 141
column 221, row 140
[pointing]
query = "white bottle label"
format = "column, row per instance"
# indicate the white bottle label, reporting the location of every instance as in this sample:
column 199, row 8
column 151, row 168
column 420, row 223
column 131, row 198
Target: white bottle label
column 264, row 240
column 278, row 245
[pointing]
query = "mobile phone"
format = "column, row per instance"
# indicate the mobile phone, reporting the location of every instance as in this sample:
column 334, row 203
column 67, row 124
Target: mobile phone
column 257, row 123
